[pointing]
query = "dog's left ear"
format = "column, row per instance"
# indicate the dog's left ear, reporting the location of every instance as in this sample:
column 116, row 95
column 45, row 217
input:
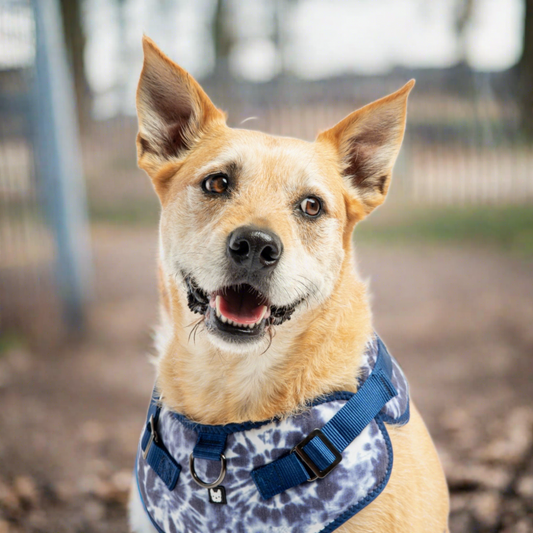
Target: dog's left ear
column 368, row 141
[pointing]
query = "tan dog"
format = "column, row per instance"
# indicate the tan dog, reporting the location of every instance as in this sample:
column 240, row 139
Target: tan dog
column 256, row 229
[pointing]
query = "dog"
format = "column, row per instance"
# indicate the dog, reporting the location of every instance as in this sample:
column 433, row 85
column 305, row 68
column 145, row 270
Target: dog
column 276, row 406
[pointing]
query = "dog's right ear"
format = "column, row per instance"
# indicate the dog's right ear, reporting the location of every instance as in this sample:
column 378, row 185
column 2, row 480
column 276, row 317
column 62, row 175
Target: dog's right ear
column 172, row 108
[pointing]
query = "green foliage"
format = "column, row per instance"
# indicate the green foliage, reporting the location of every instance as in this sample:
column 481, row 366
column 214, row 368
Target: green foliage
column 9, row 341
column 508, row 228
column 135, row 213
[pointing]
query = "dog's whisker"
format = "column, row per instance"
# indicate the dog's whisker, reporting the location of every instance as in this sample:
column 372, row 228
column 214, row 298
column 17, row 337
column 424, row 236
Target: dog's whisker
column 311, row 282
column 194, row 329
column 248, row 119
column 271, row 334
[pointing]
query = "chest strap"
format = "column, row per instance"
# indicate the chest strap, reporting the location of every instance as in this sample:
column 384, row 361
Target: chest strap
column 153, row 449
column 321, row 450
column 315, row 457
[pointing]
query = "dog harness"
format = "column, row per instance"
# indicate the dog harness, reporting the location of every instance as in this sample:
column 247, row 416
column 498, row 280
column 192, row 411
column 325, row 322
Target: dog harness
column 310, row 472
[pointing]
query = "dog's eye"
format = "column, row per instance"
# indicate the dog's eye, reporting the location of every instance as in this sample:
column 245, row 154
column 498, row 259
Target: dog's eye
column 216, row 184
column 311, row 206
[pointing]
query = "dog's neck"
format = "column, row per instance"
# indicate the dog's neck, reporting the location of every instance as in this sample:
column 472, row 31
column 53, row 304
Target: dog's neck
column 318, row 352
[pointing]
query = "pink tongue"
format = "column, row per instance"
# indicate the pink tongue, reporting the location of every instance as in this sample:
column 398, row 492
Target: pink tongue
column 242, row 306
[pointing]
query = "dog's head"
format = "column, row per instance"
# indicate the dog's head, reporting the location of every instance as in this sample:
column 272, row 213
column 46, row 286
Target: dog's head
column 255, row 229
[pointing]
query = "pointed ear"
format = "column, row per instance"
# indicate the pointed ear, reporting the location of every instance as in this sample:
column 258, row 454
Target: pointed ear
column 172, row 108
column 368, row 141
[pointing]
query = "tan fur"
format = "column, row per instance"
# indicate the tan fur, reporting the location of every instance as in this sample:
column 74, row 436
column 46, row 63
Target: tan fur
column 415, row 499
column 320, row 349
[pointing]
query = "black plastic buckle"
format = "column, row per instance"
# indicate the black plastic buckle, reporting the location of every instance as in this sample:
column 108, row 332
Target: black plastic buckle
column 299, row 450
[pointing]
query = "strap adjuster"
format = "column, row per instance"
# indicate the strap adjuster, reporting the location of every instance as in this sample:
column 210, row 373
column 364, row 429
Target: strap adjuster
column 299, row 450
column 153, row 437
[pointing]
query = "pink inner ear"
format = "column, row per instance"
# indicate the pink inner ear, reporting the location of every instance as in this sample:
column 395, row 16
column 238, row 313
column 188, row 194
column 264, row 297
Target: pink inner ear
column 361, row 164
column 359, row 157
column 177, row 136
column 172, row 106
column 174, row 112
column 370, row 152
column 368, row 141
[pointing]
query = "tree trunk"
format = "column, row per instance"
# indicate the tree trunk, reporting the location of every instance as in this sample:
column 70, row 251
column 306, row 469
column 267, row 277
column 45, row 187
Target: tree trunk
column 222, row 39
column 525, row 73
column 75, row 43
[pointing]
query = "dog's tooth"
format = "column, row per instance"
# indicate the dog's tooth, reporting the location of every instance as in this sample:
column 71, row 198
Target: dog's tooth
column 263, row 313
column 223, row 318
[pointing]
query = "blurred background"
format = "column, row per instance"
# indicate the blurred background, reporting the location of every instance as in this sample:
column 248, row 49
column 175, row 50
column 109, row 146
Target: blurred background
column 450, row 256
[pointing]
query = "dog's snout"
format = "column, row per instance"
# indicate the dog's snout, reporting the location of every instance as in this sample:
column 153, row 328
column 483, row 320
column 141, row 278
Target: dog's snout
column 254, row 248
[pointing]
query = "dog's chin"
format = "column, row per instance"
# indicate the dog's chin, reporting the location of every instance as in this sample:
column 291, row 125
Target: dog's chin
column 231, row 345
column 234, row 333
column 237, row 317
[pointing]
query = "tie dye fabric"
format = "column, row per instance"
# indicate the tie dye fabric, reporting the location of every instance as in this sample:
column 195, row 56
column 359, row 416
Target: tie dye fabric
column 318, row 506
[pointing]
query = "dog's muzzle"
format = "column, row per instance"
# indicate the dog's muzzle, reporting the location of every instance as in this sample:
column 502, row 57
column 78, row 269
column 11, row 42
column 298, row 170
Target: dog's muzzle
column 241, row 311
column 238, row 313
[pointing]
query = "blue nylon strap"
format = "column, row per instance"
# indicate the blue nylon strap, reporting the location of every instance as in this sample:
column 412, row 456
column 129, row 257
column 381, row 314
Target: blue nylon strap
column 319, row 453
column 280, row 475
column 158, row 457
column 289, row 471
column 163, row 465
column 210, row 446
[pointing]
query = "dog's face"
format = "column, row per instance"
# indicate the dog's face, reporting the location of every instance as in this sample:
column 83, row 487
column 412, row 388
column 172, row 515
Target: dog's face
column 255, row 229
column 254, row 226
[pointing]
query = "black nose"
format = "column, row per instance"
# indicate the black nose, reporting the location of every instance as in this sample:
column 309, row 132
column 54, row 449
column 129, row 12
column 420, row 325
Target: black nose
column 254, row 248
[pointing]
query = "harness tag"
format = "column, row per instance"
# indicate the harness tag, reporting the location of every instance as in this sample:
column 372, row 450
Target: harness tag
column 217, row 495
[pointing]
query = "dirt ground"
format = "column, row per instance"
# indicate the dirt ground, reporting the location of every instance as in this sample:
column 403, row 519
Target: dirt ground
column 458, row 320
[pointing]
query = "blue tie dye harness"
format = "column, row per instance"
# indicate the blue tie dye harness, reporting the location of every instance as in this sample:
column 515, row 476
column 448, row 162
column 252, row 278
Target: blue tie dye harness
column 269, row 464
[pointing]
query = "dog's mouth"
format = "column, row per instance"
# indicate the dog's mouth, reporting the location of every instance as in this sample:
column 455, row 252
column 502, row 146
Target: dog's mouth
column 236, row 312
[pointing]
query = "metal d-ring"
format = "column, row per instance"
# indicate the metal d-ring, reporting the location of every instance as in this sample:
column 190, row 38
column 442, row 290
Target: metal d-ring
column 215, row 483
